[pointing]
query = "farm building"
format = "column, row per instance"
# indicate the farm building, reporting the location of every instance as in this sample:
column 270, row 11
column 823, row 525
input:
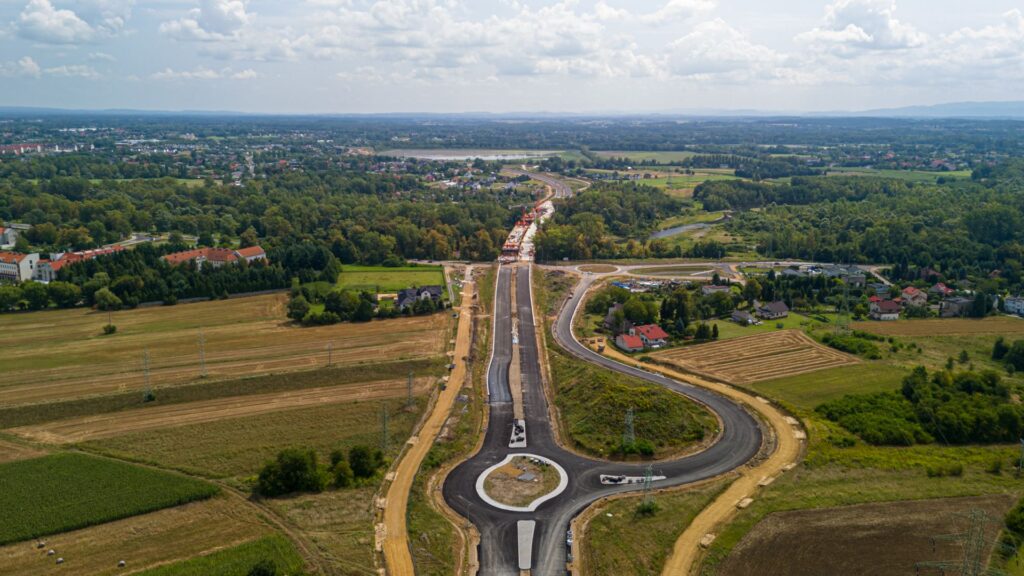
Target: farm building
column 773, row 310
column 651, row 335
column 885, row 310
column 410, row 296
column 17, row 267
column 629, row 342
column 743, row 318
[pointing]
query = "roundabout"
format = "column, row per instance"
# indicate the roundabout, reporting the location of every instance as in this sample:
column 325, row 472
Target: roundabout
column 521, row 482
column 534, row 536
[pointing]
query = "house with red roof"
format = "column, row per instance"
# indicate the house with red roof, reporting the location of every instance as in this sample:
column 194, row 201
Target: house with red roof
column 629, row 342
column 885, row 310
column 651, row 335
column 942, row 290
column 914, row 297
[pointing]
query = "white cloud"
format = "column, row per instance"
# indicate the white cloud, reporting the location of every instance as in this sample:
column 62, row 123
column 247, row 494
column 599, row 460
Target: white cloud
column 73, row 70
column 672, row 11
column 851, row 26
column 715, row 48
column 212, row 20
column 204, row 73
column 42, row 22
column 27, row 67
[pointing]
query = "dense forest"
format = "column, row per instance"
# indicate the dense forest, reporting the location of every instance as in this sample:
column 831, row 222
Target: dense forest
column 959, row 229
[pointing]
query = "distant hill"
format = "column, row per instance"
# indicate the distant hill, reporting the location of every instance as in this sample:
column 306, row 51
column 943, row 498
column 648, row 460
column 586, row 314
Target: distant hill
column 1014, row 109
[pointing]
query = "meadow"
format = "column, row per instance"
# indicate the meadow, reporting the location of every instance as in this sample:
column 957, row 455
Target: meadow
column 67, row 491
column 237, row 560
column 384, row 279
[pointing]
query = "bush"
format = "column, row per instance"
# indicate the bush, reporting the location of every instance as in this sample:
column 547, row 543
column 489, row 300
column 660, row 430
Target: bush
column 292, row 471
column 853, row 345
column 647, row 508
column 995, row 467
column 264, row 568
column 364, row 461
column 942, row 470
column 109, row 329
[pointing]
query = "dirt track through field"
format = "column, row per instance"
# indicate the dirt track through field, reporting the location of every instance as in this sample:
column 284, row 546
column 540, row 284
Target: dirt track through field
column 142, row 541
column 756, row 358
column 142, row 419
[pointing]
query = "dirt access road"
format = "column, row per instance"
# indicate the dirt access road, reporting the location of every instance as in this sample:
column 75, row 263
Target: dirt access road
column 397, row 557
column 789, row 440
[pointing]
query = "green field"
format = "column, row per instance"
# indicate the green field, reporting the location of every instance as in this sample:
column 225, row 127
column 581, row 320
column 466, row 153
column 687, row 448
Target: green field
column 923, row 176
column 238, row 447
column 619, row 541
column 63, row 492
column 641, row 155
column 728, row 329
column 384, row 280
column 806, row 391
column 238, row 560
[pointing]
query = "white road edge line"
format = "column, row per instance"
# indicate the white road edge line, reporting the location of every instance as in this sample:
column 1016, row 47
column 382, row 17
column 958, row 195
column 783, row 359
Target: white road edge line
column 563, row 483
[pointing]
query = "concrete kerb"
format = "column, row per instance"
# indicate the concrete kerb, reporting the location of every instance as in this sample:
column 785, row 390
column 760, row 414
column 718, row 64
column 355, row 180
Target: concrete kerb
column 481, row 480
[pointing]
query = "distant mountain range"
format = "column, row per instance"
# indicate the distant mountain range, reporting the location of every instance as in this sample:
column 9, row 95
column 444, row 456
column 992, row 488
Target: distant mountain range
column 975, row 110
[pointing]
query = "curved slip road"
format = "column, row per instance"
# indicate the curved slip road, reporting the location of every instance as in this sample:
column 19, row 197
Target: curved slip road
column 499, row 538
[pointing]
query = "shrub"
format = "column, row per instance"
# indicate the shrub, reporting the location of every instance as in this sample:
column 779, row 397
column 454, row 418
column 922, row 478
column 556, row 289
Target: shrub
column 264, row 568
column 853, row 345
column 292, row 471
column 942, row 470
column 364, row 461
column 995, row 467
column 647, row 508
column 109, row 329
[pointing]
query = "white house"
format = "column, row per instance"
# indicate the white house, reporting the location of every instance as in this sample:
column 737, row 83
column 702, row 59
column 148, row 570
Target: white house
column 1014, row 305
column 17, row 267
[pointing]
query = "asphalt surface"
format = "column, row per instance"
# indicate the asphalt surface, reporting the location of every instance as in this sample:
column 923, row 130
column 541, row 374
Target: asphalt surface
column 739, row 441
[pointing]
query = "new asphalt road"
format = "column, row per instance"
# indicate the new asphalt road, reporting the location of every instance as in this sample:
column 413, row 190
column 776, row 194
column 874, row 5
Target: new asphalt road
column 739, row 440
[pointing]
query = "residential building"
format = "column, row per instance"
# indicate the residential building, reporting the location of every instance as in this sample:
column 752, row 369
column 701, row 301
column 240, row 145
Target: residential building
column 629, row 342
column 8, row 237
column 651, row 335
column 885, row 310
column 772, row 310
column 410, row 296
column 612, row 322
column 743, row 318
column 941, row 290
column 216, row 257
column 956, row 306
column 47, row 269
column 17, row 267
column 1014, row 305
column 880, row 289
column 712, row 289
column 914, row 297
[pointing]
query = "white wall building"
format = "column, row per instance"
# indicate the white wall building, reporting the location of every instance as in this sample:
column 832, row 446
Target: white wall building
column 17, row 267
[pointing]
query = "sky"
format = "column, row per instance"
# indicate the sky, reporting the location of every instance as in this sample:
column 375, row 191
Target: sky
column 579, row 56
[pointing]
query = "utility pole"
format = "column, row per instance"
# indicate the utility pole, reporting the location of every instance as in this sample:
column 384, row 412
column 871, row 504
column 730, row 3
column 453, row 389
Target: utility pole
column 409, row 401
column 629, row 434
column 975, row 543
column 202, row 354
column 383, row 427
column 648, row 479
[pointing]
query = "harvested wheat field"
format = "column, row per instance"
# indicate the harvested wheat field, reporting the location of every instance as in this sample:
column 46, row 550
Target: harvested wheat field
column 141, row 541
column 879, row 539
column 755, row 358
column 1006, row 325
column 62, row 354
column 142, row 419
column 11, row 451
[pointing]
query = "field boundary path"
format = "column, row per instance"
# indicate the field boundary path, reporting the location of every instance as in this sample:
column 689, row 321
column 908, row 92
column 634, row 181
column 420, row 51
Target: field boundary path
column 397, row 555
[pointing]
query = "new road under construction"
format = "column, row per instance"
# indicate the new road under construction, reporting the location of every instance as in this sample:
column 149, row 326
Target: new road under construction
column 535, row 538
